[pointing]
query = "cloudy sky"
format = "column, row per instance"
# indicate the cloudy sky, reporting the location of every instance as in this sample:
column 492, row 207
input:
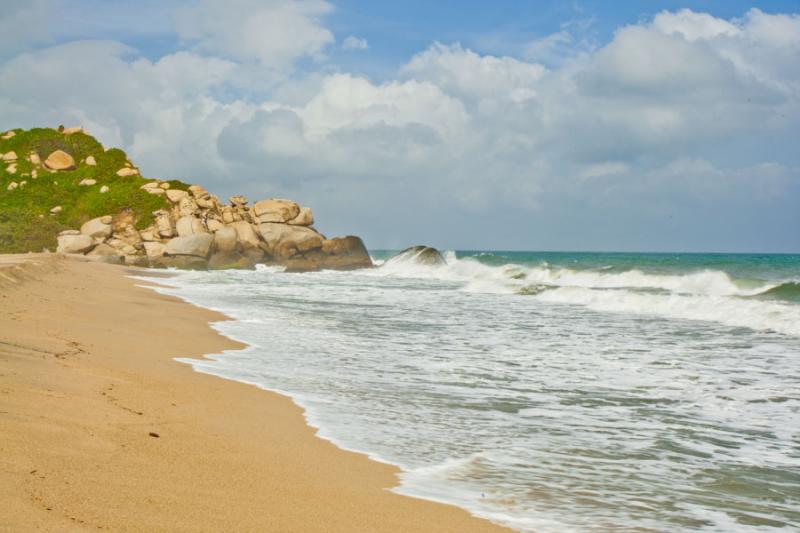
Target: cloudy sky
column 470, row 125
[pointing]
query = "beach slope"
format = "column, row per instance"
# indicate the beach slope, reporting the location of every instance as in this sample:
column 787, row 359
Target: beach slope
column 101, row 428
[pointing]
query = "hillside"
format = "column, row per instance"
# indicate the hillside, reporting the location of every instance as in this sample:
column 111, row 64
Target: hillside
column 61, row 190
column 26, row 221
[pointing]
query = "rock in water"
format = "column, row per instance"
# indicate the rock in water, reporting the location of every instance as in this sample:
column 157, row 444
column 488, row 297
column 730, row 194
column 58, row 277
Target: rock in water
column 340, row 253
column 59, row 160
column 421, row 255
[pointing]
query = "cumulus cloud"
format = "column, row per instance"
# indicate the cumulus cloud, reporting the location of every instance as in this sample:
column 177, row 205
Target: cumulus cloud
column 467, row 148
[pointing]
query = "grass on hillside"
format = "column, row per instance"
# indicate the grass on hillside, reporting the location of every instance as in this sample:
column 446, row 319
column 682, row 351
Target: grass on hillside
column 25, row 220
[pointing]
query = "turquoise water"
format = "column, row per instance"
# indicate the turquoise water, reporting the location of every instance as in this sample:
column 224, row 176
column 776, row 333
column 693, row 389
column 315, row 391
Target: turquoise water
column 547, row 391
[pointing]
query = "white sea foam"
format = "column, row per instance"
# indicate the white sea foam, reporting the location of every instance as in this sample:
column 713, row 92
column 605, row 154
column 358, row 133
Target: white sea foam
column 571, row 408
column 710, row 295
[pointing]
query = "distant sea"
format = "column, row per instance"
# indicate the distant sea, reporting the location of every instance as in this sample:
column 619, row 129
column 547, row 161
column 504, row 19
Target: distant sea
column 551, row 392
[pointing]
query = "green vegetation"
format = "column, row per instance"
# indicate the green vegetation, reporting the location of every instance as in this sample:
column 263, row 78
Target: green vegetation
column 25, row 220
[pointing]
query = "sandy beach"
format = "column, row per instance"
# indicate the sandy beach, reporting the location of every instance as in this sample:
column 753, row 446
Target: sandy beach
column 101, row 429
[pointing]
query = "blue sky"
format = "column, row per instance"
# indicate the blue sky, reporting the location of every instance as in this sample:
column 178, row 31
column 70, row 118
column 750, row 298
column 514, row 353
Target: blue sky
column 504, row 125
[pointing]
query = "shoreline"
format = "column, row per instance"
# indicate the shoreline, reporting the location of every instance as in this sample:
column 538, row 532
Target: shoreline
column 104, row 425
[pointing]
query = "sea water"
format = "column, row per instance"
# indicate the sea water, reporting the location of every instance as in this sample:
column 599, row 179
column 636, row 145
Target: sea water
column 545, row 391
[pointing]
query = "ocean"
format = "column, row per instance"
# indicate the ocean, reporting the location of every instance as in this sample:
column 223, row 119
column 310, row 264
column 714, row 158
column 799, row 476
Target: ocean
column 550, row 392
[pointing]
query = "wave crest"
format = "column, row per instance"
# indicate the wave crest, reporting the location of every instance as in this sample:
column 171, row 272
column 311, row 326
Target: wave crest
column 710, row 295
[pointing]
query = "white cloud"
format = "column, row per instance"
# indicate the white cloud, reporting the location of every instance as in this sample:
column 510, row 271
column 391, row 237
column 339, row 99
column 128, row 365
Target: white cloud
column 352, row 42
column 271, row 32
column 467, row 74
column 693, row 26
column 347, row 102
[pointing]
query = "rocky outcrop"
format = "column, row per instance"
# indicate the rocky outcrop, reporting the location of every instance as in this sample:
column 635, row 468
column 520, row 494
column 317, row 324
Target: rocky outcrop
column 195, row 229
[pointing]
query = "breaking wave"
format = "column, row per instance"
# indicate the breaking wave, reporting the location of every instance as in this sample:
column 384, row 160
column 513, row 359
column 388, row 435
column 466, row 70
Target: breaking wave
column 709, row 295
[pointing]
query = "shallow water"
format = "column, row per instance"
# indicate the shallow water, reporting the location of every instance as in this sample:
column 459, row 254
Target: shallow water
column 555, row 392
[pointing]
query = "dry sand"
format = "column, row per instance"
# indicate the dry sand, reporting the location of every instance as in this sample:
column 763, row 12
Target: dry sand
column 101, row 428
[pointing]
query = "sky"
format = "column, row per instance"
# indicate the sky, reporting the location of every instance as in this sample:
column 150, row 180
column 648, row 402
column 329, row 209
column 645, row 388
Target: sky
column 504, row 125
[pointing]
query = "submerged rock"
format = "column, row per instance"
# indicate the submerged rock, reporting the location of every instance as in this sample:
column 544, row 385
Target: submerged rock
column 421, row 255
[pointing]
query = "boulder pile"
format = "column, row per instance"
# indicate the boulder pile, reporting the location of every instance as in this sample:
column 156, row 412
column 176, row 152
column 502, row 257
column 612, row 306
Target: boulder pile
column 199, row 231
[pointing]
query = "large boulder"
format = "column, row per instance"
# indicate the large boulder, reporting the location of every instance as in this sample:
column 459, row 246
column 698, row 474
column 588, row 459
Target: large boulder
column 189, row 225
column 228, row 215
column 305, row 218
column 164, row 223
column 214, row 225
column 342, row 253
column 98, row 228
column 189, row 262
column 230, row 260
column 59, row 160
column 207, row 202
column 74, row 244
column 198, row 191
column 283, row 240
column 197, row 245
column 248, row 238
column 187, row 207
column 226, row 240
column 154, row 250
column 276, row 210
column 126, row 172
column 176, row 195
